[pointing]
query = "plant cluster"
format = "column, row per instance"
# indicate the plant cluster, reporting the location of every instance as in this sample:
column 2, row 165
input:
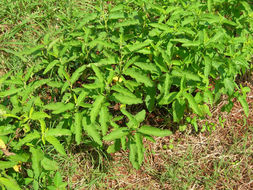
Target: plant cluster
column 98, row 80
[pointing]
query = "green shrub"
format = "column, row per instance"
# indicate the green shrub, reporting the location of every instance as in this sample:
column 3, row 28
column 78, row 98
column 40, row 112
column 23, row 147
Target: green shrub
column 142, row 55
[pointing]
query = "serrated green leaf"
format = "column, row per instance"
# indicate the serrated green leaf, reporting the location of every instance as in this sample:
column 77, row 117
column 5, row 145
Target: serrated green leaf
column 126, row 99
column 7, row 164
column 208, row 65
column 133, row 154
column 147, row 66
column 98, row 73
column 59, row 107
column 139, row 77
column 126, row 23
column 95, row 85
column 188, row 75
column 138, row 46
column 178, row 110
column 244, row 104
column 55, row 84
column 50, row 66
column 37, row 156
column 58, row 132
column 140, row 147
column 96, row 108
column 56, row 144
column 39, row 115
column 148, row 130
column 92, row 131
column 10, row 92
column 81, row 97
column 168, row 98
column 208, row 97
column 5, row 77
column 114, row 147
column 116, row 15
column 104, row 119
column 78, row 127
column 28, row 138
column 29, row 73
column 48, row 164
column 116, row 134
column 192, row 103
column 162, row 26
column 229, row 85
column 123, row 91
column 140, row 116
column 39, row 83
column 9, row 183
column 86, row 19
column 75, row 76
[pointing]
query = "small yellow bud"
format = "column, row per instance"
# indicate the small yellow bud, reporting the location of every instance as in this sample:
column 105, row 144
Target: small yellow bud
column 115, row 79
column 17, row 168
column 122, row 105
column 2, row 145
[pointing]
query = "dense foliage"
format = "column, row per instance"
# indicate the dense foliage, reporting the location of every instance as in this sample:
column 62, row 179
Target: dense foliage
column 97, row 80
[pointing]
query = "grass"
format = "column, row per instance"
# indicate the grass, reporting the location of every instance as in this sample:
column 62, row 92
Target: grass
column 221, row 159
column 23, row 24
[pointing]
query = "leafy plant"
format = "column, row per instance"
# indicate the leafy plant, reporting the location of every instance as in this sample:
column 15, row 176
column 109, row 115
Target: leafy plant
column 98, row 80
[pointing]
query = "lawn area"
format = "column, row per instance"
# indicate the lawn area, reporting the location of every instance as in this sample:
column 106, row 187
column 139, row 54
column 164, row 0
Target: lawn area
column 126, row 94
